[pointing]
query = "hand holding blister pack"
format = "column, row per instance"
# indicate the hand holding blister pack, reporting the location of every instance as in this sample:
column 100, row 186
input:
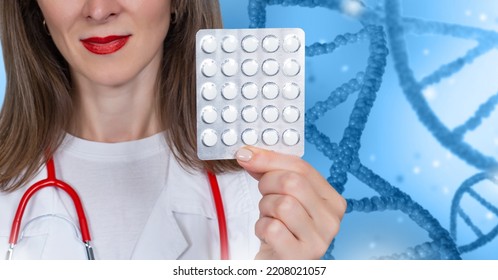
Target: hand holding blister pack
column 250, row 91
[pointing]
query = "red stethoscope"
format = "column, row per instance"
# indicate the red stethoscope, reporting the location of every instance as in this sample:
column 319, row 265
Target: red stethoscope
column 52, row 181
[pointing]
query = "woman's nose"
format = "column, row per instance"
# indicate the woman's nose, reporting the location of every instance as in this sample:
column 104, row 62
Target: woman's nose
column 101, row 11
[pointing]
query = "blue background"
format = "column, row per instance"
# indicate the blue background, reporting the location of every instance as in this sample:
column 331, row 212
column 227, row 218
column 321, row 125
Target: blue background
column 395, row 144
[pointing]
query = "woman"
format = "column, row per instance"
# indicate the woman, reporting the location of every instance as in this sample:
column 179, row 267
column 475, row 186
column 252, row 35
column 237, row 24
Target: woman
column 105, row 88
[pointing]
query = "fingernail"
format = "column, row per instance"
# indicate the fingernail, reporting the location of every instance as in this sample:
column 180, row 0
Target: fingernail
column 243, row 155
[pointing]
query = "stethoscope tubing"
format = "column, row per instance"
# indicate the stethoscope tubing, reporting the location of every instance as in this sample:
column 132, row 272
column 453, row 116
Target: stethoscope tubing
column 52, row 181
column 220, row 212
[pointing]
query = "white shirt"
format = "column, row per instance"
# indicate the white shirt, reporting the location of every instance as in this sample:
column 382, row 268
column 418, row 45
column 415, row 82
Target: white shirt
column 140, row 204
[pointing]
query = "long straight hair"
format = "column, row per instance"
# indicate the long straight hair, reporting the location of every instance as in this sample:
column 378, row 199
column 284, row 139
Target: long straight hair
column 38, row 102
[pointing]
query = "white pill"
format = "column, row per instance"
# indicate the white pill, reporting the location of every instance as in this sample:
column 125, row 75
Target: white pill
column 209, row 68
column 229, row 91
column 250, row 67
column 209, row 137
column 249, row 114
column 250, row 90
column 209, row 114
column 270, row 137
column 209, row 91
column 229, row 114
column 270, row 90
column 270, row 43
column 250, row 137
column 291, row 67
column 291, row 43
column 229, row 44
column 229, row 137
column 290, row 137
column 290, row 114
column 229, row 67
column 270, row 67
column 208, row 44
column 291, row 91
column 270, row 114
column 250, row 44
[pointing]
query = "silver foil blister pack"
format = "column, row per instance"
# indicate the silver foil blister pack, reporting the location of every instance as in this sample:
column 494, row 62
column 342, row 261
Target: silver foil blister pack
column 250, row 91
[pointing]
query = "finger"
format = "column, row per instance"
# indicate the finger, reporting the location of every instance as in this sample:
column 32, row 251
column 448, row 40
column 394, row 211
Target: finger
column 297, row 186
column 259, row 161
column 291, row 213
column 279, row 243
column 276, row 237
column 325, row 214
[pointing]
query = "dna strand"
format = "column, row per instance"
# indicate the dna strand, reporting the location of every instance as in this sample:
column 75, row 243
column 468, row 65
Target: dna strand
column 451, row 139
column 456, row 209
column 344, row 155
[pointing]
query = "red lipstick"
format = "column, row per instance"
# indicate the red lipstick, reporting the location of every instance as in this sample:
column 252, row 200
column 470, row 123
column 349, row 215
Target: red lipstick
column 105, row 45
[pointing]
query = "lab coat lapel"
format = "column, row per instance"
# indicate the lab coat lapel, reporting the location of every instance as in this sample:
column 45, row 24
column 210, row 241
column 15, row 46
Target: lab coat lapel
column 45, row 237
column 32, row 245
column 162, row 226
column 162, row 237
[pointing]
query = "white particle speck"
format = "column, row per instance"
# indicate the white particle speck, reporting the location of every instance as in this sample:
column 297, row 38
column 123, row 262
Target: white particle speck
column 495, row 141
column 352, row 7
column 430, row 93
column 400, row 220
column 483, row 17
column 416, row 170
column 436, row 163
column 345, row 68
column 490, row 216
column 446, row 190
column 426, row 52
column 372, row 157
column 372, row 245
column 449, row 155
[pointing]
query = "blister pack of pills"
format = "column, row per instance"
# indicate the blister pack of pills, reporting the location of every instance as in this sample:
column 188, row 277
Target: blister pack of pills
column 250, row 91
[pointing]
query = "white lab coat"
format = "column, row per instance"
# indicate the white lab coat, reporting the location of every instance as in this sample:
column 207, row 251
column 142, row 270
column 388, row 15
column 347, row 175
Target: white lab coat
column 182, row 225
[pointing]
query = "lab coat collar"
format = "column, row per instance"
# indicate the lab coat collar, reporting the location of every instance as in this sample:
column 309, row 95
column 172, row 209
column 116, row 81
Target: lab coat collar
column 188, row 194
column 160, row 225
column 163, row 226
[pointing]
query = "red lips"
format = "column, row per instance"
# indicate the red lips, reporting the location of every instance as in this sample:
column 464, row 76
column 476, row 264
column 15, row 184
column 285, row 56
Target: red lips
column 105, row 45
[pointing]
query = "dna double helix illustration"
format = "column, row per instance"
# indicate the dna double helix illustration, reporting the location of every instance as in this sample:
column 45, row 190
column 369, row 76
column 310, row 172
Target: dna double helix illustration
column 451, row 139
column 380, row 26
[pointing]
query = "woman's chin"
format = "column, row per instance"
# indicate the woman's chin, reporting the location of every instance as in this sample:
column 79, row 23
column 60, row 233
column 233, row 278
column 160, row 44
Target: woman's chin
column 111, row 80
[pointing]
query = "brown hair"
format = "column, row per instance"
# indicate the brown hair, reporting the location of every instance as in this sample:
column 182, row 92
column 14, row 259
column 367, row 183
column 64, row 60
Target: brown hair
column 38, row 103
